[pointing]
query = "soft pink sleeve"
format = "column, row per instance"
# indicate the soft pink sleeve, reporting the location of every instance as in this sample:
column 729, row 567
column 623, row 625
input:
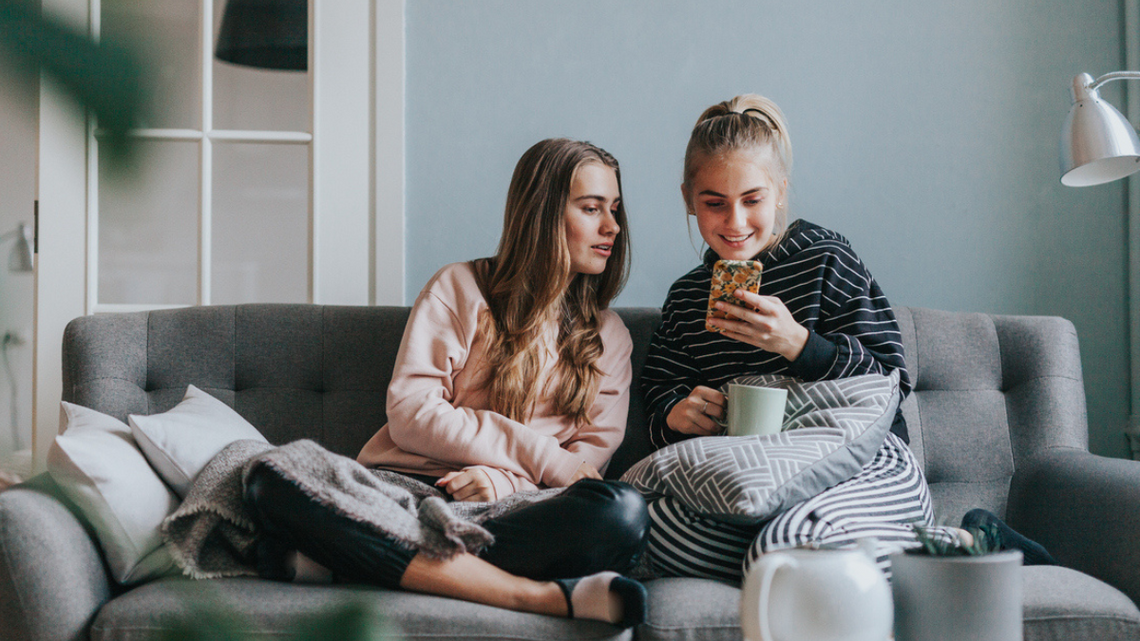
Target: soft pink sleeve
column 597, row 443
column 421, row 418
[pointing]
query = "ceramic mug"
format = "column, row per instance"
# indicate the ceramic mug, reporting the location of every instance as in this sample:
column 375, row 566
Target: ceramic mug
column 754, row 411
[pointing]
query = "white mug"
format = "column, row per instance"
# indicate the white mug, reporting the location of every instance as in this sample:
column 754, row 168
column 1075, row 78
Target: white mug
column 754, row 411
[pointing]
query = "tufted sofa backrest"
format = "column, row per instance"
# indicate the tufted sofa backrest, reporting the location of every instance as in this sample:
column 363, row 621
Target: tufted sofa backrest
column 989, row 391
column 293, row 371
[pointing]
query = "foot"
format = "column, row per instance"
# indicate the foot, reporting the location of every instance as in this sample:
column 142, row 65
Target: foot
column 1033, row 553
column 606, row 596
column 306, row 570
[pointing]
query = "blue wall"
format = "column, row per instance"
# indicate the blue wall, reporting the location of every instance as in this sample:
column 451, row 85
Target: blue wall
column 926, row 132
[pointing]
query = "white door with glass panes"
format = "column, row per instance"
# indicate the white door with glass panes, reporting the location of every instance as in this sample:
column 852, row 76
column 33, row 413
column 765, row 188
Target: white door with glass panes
column 253, row 185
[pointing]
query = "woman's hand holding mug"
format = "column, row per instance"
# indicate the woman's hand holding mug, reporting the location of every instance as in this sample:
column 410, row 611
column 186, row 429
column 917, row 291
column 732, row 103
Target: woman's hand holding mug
column 698, row 412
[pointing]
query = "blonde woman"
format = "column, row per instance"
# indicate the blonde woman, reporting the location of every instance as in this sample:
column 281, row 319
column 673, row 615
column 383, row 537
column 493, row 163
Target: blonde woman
column 512, row 376
column 819, row 315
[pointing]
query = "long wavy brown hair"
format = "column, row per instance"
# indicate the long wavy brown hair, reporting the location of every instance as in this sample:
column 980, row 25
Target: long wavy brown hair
column 528, row 284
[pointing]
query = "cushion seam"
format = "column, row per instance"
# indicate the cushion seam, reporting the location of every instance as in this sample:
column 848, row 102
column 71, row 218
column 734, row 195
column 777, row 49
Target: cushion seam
column 146, row 359
column 1077, row 617
column 99, row 627
column 1002, row 390
column 918, row 410
column 656, row 626
column 270, row 387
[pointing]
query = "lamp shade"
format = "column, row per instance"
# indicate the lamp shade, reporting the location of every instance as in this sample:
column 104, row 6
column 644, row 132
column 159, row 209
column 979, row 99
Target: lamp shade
column 1098, row 144
column 269, row 34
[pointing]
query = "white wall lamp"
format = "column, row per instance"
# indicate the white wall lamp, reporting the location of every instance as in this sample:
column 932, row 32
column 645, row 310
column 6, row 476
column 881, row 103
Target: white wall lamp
column 1099, row 145
column 20, row 258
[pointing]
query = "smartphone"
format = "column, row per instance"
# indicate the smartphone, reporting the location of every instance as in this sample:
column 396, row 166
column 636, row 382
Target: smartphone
column 727, row 276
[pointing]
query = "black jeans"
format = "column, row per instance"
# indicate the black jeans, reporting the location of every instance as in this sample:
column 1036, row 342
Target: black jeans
column 591, row 527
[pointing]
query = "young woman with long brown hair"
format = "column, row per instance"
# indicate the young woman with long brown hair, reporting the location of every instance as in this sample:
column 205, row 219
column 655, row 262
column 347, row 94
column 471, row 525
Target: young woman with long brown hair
column 512, row 376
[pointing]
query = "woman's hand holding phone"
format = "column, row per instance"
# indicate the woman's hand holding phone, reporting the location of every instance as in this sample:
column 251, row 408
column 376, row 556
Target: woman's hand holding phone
column 765, row 322
column 728, row 276
column 737, row 310
column 697, row 412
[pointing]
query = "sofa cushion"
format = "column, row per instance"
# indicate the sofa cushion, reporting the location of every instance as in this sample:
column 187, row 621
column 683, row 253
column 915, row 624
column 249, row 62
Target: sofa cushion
column 832, row 429
column 1066, row 604
column 98, row 466
column 272, row 611
column 690, row 609
column 1059, row 604
column 180, row 442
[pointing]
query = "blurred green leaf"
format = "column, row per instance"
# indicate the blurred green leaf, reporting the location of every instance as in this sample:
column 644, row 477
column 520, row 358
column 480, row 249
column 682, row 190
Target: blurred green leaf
column 106, row 77
column 353, row 622
column 212, row 619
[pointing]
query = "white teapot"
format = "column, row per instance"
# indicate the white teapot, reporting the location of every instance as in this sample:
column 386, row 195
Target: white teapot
column 816, row 595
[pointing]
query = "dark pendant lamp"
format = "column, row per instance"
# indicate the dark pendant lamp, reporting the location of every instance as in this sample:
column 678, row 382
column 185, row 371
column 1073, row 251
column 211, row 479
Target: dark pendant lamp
column 269, row 34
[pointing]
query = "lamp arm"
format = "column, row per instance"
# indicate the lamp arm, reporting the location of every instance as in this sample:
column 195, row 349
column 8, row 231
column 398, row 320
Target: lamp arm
column 1115, row 75
column 1085, row 88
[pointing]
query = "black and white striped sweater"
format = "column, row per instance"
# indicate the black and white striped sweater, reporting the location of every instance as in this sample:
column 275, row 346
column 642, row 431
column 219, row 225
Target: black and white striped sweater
column 828, row 290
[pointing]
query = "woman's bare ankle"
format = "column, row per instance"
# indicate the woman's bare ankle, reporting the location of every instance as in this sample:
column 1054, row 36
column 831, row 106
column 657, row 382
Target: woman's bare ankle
column 542, row 597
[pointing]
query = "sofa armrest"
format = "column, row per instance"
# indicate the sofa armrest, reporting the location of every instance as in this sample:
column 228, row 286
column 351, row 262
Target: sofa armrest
column 1085, row 509
column 52, row 576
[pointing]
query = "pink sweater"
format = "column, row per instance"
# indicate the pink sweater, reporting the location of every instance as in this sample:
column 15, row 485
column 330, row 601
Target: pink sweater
column 438, row 416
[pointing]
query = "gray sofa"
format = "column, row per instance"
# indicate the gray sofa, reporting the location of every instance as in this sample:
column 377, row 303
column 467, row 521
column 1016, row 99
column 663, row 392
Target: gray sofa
column 997, row 419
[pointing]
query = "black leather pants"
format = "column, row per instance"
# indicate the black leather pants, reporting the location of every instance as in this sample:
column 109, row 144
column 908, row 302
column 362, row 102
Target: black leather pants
column 591, row 527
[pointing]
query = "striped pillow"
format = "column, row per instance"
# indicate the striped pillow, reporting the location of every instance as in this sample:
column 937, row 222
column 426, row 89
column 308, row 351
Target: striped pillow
column 831, row 430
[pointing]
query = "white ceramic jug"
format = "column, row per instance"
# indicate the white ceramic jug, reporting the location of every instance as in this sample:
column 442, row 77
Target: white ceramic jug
column 816, row 595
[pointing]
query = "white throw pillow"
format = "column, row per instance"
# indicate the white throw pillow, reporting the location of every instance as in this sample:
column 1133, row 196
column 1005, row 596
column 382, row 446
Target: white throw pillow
column 97, row 465
column 179, row 443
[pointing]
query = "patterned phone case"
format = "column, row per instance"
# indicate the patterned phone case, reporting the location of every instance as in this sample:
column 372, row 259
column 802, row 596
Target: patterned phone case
column 727, row 276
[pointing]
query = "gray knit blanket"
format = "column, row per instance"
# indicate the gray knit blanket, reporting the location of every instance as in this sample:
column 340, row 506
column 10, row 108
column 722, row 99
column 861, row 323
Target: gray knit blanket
column 212, row 534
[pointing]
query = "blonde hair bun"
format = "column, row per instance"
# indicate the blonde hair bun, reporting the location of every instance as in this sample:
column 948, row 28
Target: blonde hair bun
column 764, row 123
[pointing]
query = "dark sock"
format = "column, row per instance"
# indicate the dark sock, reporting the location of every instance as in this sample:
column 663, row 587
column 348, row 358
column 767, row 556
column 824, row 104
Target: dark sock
column 271, row 559
column 606, row 596
column 1033, row 553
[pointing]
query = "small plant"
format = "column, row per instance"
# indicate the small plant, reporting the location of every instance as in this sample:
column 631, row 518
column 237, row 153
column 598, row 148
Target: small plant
column 935, row 542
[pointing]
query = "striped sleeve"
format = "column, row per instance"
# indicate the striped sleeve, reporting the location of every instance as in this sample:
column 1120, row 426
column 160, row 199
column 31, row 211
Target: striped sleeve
column 670, row 372
column 854, row 316
column 826, row 288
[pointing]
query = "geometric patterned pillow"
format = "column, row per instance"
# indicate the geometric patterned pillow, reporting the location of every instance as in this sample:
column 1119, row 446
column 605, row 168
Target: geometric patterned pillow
column 831, row 430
